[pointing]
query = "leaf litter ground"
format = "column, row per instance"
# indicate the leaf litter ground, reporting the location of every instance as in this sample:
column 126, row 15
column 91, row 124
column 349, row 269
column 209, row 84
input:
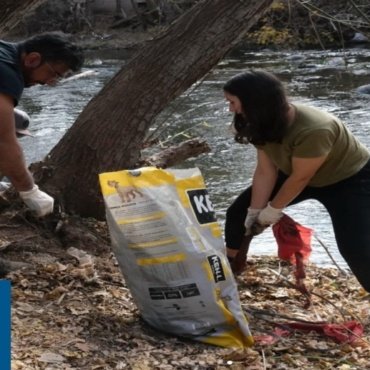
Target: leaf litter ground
column 71, row 309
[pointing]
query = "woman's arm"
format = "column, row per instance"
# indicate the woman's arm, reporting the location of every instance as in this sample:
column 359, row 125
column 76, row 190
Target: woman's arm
column 264, row 180
column 303, row 169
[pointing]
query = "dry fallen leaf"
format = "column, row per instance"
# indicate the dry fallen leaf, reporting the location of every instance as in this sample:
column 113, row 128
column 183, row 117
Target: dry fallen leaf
column 50, row 357
column 85, row 318
column 56, row 293
column 83, row 347
column 241, row 354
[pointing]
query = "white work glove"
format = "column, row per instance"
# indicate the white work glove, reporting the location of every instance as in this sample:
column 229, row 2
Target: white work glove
column 38, row 201
column 269, row 215
column 250, row 219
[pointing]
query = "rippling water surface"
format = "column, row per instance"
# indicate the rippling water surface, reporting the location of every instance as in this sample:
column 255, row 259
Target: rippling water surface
column 325, row 79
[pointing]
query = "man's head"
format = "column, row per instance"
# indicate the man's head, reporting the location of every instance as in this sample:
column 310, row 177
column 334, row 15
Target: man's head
column 22, row 120
column 48, row 57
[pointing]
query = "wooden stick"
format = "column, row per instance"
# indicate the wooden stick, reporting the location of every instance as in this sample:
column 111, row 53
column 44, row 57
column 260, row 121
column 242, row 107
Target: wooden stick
column 330, row 255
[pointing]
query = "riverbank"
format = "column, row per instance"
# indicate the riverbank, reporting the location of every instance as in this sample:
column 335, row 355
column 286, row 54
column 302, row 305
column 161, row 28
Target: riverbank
column 71, row 309
column 259, row 37
column 284, row 26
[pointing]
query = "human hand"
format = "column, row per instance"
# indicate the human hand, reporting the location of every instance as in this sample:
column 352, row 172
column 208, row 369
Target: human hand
column 38, row 201
column 250, row 219
column 267, row 217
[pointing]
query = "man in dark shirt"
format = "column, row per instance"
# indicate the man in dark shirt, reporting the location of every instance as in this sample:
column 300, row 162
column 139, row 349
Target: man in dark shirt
column 42, row 59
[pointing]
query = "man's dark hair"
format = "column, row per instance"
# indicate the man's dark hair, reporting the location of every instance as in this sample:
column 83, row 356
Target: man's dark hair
column 55, row 47
column 265, row 106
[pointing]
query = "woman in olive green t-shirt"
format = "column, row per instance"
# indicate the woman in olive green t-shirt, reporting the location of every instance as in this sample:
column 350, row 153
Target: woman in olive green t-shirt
column 302, row 153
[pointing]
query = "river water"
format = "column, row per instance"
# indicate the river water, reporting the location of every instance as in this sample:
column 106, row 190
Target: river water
column 325, row 79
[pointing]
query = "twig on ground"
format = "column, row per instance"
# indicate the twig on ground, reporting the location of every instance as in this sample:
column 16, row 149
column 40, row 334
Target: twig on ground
column 317, row 295
column 330, row 255
column 264, row 360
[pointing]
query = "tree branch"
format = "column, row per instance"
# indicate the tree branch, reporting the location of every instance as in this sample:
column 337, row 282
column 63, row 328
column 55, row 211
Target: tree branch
column 177, row 153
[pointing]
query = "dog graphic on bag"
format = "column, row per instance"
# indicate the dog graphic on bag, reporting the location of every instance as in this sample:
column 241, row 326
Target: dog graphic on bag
column 126, row 193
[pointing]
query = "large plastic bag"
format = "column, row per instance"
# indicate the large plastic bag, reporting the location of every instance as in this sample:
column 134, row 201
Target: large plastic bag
column 169, row 247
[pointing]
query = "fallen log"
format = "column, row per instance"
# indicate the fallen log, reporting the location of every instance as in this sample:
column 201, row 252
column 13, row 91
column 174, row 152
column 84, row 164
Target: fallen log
column 176, row 154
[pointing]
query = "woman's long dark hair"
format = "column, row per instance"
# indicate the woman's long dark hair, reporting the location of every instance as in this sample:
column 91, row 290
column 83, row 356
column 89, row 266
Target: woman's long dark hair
column 265, row 107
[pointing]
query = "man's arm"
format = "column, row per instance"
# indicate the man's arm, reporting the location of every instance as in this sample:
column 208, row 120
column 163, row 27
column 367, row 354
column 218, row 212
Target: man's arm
column 12, row 163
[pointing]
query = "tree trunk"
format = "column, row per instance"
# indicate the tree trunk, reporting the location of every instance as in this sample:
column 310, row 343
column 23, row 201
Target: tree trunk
column 13, row 11
column 120, row 13
column 108, row 134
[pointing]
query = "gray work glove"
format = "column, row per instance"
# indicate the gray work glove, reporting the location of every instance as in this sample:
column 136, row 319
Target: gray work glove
column 250, row 219
column 38, row 201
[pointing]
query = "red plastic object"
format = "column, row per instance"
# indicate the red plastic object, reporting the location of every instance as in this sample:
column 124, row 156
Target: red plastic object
column 293, row 239
column 346, row 332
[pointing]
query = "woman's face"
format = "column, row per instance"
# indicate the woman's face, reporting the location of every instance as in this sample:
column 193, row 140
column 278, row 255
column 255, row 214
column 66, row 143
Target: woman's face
column 235, row 106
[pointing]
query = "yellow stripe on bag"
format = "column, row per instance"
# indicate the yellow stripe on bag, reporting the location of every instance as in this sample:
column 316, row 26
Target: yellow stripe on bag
column 208, row 270
column 153, row 216
column 159, row 260
column 231, row 339
column 215, row 229
column 140, row 178
column 149, row 177
column 184, row 185
column 229, row 317
column 153, row 244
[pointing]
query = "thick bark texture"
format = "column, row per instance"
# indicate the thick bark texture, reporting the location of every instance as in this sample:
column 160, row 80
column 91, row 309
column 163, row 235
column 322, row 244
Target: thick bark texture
column 108, row 134
column 12, row 12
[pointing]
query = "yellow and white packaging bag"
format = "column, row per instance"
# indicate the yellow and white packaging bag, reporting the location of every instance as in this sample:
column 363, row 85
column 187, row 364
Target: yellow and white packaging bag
column 169, row 247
